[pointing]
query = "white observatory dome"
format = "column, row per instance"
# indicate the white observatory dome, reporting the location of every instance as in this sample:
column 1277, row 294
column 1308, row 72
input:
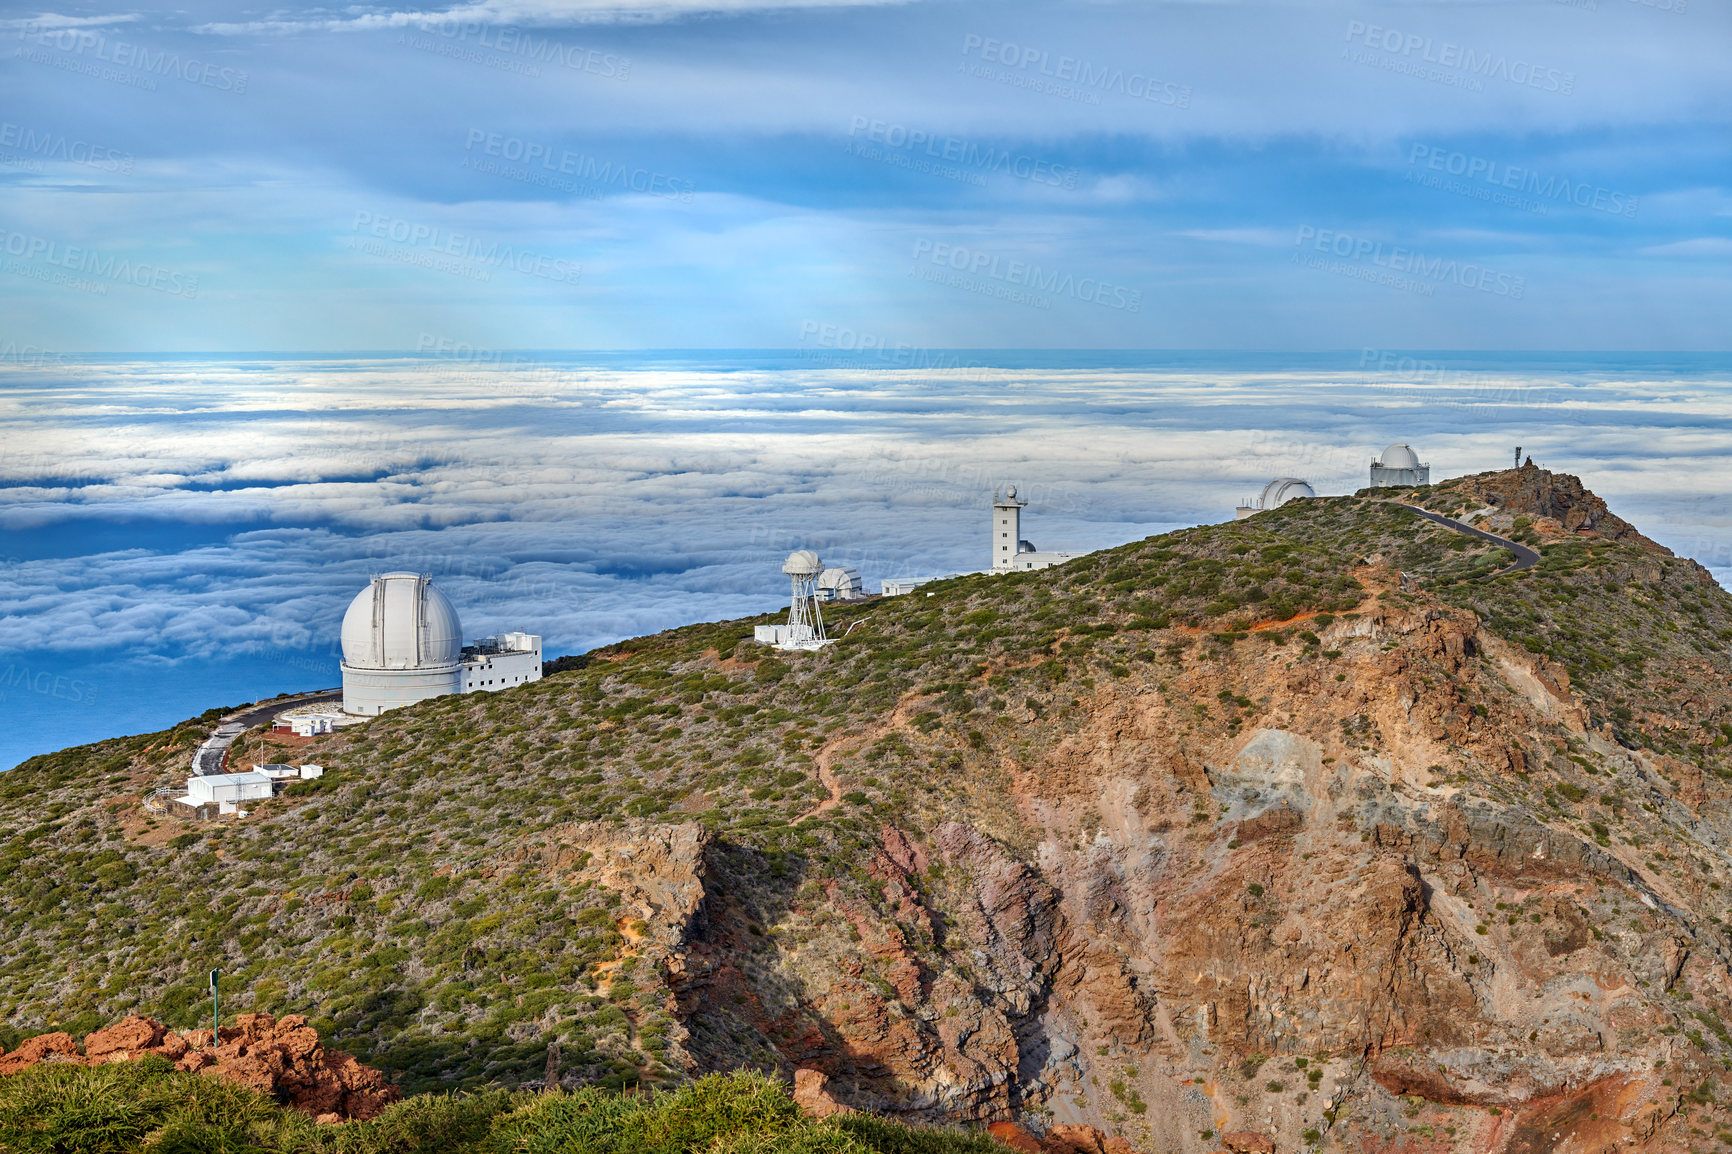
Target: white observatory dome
column 1399, row 457
column 1284, row 489
column 402, row 643
column 802, row 563
column 401, row 621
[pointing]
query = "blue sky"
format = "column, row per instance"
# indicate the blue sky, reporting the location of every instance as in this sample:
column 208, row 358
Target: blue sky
column 1188, row 175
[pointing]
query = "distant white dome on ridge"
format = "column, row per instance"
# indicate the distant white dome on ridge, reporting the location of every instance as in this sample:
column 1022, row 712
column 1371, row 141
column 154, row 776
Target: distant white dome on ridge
column 400, row 621
column 1282, row 490
column 1399, row 456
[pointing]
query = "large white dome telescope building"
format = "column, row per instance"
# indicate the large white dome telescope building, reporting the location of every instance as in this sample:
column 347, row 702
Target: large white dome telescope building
column 1274, row 495
column 1399, row 465
column 403, row 643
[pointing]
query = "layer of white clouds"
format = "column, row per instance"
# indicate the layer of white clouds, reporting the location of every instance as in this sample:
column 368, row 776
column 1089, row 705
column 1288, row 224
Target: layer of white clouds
column 602, row 502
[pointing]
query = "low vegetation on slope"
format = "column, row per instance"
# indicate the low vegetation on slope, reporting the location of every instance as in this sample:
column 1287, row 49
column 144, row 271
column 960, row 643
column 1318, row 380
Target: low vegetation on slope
column 428, row 903
column 375, row 900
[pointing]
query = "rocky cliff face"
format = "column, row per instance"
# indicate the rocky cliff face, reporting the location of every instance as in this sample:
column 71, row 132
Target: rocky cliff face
column 1293, row 833
column 1313, row 929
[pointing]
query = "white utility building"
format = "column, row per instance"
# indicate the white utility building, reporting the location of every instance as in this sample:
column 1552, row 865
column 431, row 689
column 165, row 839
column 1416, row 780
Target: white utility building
column 1400, row 467
column 227, row 791
column 501, row 662
column 402, row 643
column 1009, row 550
column 1275, row 494
column 312, row 720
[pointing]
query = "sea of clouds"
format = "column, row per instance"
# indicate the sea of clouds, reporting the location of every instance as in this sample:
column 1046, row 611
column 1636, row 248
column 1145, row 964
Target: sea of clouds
column 183, row 533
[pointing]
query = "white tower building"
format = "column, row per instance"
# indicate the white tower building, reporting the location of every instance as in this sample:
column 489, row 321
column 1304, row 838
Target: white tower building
column 402, row 642
column 1009, row 551
column 1006, row 529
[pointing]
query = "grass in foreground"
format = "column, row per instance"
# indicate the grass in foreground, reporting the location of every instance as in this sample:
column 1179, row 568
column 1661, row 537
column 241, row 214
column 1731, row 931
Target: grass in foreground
column 149, row 1105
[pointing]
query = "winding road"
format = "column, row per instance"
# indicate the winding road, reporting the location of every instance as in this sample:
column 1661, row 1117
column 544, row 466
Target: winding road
column 208, row 757
column 1526, row 558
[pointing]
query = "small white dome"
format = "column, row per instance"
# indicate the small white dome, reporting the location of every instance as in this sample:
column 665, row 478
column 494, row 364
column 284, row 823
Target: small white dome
column 401, row 621
column 1284, row 489
column 1399, row 457
column 802, row 563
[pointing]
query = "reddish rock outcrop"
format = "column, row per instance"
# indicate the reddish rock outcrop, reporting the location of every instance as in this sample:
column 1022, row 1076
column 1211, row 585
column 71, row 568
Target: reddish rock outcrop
column 127, row 1039
column 1248, row 1142
column 56, row 1047
column 1016, row 1136
column 813, row 1099
column 1064, row 1138
column 282, row 1059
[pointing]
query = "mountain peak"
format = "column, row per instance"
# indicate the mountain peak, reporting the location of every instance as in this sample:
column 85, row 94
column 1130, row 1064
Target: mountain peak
column 1557, row 504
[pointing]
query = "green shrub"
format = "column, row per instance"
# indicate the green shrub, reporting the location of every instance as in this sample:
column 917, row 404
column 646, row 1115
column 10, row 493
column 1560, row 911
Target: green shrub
column 115, row 1109
column 127, row 1107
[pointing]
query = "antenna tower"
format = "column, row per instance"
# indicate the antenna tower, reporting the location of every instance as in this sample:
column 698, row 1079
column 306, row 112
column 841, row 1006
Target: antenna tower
column 805, row 620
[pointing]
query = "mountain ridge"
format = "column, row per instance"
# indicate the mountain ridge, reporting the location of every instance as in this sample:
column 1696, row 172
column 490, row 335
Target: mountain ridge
column 1306, row 824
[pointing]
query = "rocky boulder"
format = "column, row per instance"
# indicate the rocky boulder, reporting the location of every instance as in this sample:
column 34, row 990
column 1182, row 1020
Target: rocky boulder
column 282, row 1059
column 1248, row 1142
column 56, row 1047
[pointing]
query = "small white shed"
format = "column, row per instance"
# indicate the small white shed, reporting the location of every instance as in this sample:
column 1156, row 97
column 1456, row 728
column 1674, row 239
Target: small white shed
column 228, row 790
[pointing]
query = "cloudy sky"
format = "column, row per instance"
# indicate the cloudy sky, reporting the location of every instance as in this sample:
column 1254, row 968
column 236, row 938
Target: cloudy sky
column 185, row 532
column 697, row 174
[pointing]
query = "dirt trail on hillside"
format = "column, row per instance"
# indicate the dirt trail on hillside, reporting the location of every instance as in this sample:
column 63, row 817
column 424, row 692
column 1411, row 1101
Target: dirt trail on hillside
column 827, row 754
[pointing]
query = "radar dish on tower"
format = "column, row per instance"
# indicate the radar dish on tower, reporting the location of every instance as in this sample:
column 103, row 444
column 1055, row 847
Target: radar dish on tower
column 805, row 627
column 802, row 563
